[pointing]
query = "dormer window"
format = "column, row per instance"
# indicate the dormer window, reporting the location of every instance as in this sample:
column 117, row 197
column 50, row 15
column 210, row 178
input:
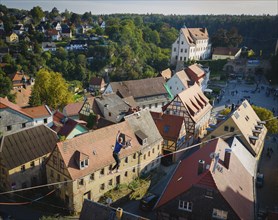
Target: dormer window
column 253, row 139
column 81, row 159
column 256, row 132
column 261, row 123
column 142, row 137
column 259, row 127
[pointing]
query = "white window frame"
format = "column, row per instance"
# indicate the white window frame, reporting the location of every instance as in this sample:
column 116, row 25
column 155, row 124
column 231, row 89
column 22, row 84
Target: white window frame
column 219, row 214
column 185, row 205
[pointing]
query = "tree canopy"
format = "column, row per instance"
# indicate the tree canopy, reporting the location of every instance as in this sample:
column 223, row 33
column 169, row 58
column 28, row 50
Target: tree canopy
column 267, row 115
column 51, row 89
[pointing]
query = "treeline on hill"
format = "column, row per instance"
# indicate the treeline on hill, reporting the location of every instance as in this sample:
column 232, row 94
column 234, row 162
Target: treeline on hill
column 133, row 47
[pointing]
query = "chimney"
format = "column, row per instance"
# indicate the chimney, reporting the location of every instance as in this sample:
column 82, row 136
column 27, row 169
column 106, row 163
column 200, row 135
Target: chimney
column 119, row 213
column 201, row 166
column 227, row 157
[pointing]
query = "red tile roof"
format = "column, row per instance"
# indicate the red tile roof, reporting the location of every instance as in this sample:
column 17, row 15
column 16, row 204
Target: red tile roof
column 196, row 103
column 5, row 103
column 73, row 109
column 38, row 112
column 96, row 81
column 98, row 146
column 173, row 123
column 195, row 72
column 235, row 184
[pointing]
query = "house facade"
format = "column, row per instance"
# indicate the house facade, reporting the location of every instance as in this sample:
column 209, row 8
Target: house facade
column 49, row 46
column 245, row 123
column 179, row 82
column 194, row 107
column 83, row 163
column 222, row 53
column 172, row 129
column 12, row 38
column 191, row 44
column 14, row 118
column 23, row 155
column 97, row 84
column 212, row 183
column 199, row 74
column 150, row 93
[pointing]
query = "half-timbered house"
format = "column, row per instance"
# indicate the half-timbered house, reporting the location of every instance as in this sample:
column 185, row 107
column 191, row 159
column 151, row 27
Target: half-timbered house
column 194, row 106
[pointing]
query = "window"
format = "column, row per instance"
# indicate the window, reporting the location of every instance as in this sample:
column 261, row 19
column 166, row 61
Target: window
column 149, row 153
column 51, row 173
column 126, row 160
column 54, row 160
column 102, row 186
column 65, row 182
column 165, row 142
column 32, row 164
column 226, row 128
column 153, row 150
column 144, row 156
column 219, row 214
column 244, row 105
column 22, row 168
column 246, row 118
column 134, row 156
column 150, row 106
column 109, row 114
column 174, row 49
column 102, row 172
column 92, row 176
column 181, row 50
column 184, row 205
column 232, row 129
column 45, row 120
column 180, row 58
column 126, row 173
column 133, row 170
column 182, row 42
column 155, row 105
column 144, row 106
column 62, row 165
column 110, row 182
column 185, row 50
column 158, row 147
column 209, row 193
column 23, row 125
column 81, row 182
column 9, row 128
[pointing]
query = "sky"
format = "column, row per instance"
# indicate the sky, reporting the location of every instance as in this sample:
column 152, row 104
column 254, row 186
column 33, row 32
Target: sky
column 178, row 7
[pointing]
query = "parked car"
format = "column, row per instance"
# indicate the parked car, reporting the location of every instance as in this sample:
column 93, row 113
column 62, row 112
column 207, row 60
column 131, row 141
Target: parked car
column 260, row 180
column 148, row 201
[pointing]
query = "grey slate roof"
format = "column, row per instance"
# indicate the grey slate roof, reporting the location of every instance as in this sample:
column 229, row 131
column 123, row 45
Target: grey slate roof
column 112, row 102
column 143, row 121
column 96, row 211
column 26, row 145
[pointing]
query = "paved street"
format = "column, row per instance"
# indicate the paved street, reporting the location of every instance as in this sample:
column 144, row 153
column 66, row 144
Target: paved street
column 268, row 195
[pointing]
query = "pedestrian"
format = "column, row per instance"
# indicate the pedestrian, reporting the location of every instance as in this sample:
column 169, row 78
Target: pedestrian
column 118, row 146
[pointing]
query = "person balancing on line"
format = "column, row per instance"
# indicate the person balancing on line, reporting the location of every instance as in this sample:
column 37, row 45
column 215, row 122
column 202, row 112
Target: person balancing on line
column 118, row 146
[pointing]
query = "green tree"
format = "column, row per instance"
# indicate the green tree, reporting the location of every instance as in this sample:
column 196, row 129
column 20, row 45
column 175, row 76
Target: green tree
column 52, row 89
column 37, row 14
column 5, row 84
column 267, row 115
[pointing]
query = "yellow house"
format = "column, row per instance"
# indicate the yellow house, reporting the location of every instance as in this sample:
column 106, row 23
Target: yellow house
column 245, row 123
column 22, row 156
column 83, row 163
column 12, row 38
